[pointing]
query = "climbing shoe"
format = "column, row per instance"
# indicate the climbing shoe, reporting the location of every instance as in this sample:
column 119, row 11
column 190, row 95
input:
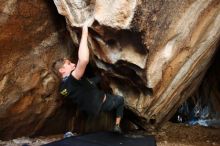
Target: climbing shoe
column 117, row 129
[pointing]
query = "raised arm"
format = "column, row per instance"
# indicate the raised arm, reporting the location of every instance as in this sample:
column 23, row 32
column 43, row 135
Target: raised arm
column 83, row 54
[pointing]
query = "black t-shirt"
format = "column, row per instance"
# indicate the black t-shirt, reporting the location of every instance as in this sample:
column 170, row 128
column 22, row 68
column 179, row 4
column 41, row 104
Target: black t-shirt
column 82, row 92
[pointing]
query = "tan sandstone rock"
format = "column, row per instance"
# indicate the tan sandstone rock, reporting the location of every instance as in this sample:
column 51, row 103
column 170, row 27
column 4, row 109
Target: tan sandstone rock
column 31, row 38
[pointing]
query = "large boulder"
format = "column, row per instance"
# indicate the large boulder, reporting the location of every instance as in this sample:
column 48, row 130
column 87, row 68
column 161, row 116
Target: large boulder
column 32, row 36
column 154, row 53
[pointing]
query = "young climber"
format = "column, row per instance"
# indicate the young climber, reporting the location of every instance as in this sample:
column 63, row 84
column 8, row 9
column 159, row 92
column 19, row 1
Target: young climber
column 81, row 90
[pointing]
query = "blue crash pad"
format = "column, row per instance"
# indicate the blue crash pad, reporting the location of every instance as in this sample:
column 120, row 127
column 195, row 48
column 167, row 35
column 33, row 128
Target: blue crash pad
column 105, row 139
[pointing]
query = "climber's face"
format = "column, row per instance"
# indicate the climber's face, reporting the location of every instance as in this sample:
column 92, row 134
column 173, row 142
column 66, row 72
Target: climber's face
column 67, row 67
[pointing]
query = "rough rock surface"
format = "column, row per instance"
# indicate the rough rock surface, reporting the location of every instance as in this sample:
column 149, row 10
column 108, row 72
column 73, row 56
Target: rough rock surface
column 31, row 37
column 154, row 53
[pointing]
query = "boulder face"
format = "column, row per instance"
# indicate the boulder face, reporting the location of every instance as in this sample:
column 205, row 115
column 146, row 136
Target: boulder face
column 31, row 38
column 154, row 53
column 111, row 13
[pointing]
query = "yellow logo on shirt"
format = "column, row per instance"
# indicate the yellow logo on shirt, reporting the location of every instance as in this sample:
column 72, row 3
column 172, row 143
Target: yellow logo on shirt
column 64, row 92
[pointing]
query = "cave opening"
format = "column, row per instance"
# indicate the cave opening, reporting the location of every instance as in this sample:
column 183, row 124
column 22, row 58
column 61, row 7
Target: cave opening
column 202, row 107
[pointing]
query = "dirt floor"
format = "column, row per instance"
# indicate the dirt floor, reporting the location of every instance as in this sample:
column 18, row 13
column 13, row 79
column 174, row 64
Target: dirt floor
column 182, row 135
column 169, row 135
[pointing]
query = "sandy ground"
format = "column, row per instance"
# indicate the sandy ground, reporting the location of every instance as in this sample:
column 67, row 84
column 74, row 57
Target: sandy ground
column 182, row 135
column 169, row 135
